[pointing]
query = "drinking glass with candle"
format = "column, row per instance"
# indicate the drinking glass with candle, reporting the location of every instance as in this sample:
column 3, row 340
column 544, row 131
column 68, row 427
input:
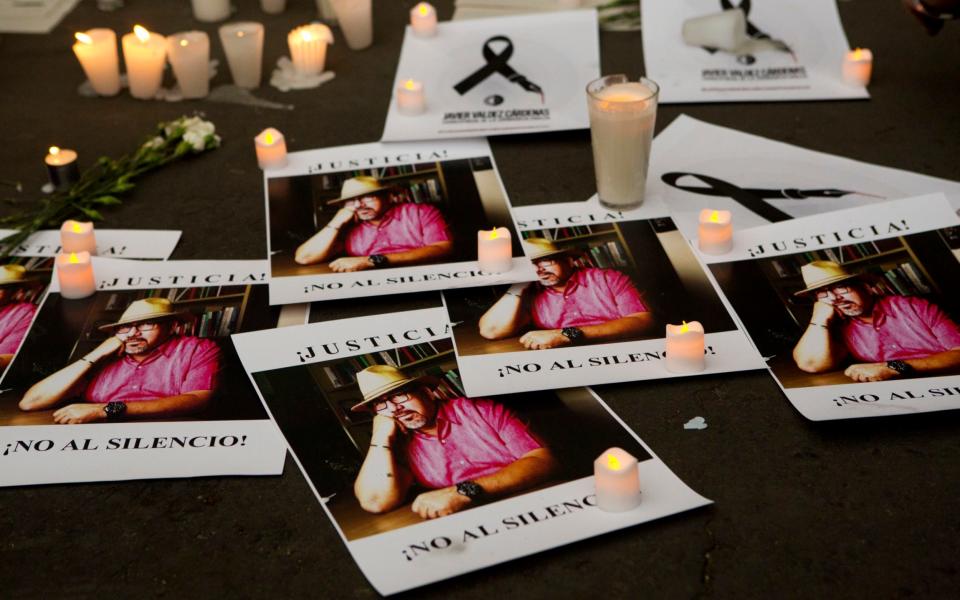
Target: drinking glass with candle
column 271, row 149
column 423, row 20
column 77, row 236
column 243, row 45
column 622, row 116
column 308, row 47
column 211, row 11
column 410, row 98
column 685, row 348
column 189, row 53
column 494, row 250
column 62, row 167
column 715, row 231
column 616, row 476
column 75, row 275
column 145, row 54
column 858, row 66
column 356, row 21
column 96, row 49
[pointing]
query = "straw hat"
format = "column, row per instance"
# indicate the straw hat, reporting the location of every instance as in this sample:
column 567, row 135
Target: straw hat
column 359, row 186
column 542, row 248
column 12, row 274
column 147, row 309
column 821, row 273
column 378, row 380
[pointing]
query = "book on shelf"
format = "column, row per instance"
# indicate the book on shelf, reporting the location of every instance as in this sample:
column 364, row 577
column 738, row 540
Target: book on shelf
column 564, row 233
column 604, row 256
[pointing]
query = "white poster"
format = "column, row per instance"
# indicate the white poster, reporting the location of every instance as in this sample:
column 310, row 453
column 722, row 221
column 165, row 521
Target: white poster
column 696, row 165
column 363, row 403
column 497, row 76
column 759, row 50
column 855, row 310
column 596, row 311
column 377, row 219
column 155, row 244
column 140, row 380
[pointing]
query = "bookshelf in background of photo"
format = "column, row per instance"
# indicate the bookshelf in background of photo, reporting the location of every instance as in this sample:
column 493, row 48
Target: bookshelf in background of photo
column 214, row 312
column 600, row 246
column 339, row 382
column 39, row 271
column 951, row 237
column 892, row 263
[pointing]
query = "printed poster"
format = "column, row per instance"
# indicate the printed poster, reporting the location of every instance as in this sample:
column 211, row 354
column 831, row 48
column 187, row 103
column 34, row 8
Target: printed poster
column 379, row 219
column 595, row 313
column 497, row 76
column 855, row 310
column 156, row 244
column 140, row 380
column 759, row 50
column 363, row 403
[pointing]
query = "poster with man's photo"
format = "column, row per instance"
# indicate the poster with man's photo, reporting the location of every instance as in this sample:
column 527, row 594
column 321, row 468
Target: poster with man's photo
column 377, row 219
column 746, row 50
column 140, row 379
column 696, row 165
column 424, row 482
column 854, row 311
column 495, row 76
column 596, row 312
column 148, row 244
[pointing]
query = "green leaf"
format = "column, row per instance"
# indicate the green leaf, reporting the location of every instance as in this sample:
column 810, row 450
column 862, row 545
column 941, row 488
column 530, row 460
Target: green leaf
column 92, row 213
column 108, row 200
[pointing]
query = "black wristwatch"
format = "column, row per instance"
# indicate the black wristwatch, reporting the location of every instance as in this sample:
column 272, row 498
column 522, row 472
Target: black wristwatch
column 378, row 260
column 115, row 410
column 470, row 489
column 900, row 367
column 574, row 334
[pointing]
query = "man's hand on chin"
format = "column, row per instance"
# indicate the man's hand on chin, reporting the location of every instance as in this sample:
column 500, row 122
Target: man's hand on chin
column 74, row 414
column 439, row 503
column 870, row 372
column 348, row 264
column 544, row 339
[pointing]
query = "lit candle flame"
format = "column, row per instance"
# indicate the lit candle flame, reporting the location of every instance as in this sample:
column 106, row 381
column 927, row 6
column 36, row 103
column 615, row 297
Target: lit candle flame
column 54, row 150
column 83, row 38
column 493, row 234
column 613, row 462
column 76, row 227
column 268, row 137
column 684, row 328
column 423, row 8
column 183, row 43
column 715, row 216
column 73, row 258
column 306, row 35
column 409, row 84
column 239, row 34
column 857, row 54
column 141, row 33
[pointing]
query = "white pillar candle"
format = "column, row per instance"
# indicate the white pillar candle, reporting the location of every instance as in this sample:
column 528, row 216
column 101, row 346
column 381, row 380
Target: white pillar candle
column 410, row 98
column 273, row 7
column 62, row 167
column 308, row 47
column 423, row 20
column 685, row 348
column 622, row 117
column 189, row 54
column 75, row 275
column 243, row 45
column 715, row 232
column 356, row 21
column 96, row 49
column 210, row 11
column 144, row 54
column 77, row 236
column 725, row 30
column 494, row 250
column 858, row 66
column 616, row 475
column 271, row 149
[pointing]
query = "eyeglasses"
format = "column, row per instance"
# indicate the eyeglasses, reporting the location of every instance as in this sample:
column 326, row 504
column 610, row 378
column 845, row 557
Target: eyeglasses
column 394, row 402
column 141, row 327
column 834, row 291
column 546, row 262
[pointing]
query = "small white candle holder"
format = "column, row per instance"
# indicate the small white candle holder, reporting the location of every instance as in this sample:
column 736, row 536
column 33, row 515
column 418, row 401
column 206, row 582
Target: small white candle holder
column 243, row 45
column 62, row 168
column 96, row 49
column 145, row 55
column 77, row 236
column 423, row 20
column 271, row 149
column 616, row 476
column 210, row 11
column 685, row 348
column 495, row 250
column 189, row 54
column 75, row 275
column 410, row 98
column 715, row 231
column 858, row 67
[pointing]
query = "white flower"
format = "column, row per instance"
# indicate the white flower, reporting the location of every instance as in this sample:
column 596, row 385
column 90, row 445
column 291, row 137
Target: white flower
column 156, row 142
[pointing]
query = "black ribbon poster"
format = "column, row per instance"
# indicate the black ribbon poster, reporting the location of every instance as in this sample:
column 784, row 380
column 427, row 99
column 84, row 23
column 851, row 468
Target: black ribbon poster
column 497, row 63
column 753, row 32
column 751, row 198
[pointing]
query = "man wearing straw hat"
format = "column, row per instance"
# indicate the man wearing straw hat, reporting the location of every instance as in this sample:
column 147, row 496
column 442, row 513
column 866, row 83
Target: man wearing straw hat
column 886, row 336
column 144, row 370
column 374, row 233
column 15, row 315
column 464, row 451
column 570, row 304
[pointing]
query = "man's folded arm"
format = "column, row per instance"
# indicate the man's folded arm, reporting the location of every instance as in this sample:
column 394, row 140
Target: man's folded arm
column 428, row 253
column 534, row 467
column 628, row 326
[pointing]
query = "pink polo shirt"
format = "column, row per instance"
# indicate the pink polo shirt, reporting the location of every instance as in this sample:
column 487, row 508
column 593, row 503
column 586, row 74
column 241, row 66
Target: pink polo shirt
column 903, row 327
column 591, row 296
column 475, row 437
column 179, row 365
column 403, row 227
column 14, row 322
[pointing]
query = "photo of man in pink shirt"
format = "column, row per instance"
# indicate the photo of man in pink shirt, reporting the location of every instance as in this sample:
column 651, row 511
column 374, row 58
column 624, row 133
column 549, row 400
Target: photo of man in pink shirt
column 371, row 232
column 15, row 315
column 143, row 370
column 568, row 305
column 462, row 451
column 884, row 336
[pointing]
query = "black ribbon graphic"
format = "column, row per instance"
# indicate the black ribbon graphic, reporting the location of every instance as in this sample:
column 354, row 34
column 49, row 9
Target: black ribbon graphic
column 497, row 63
column 751, row 198
column 753, row 32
